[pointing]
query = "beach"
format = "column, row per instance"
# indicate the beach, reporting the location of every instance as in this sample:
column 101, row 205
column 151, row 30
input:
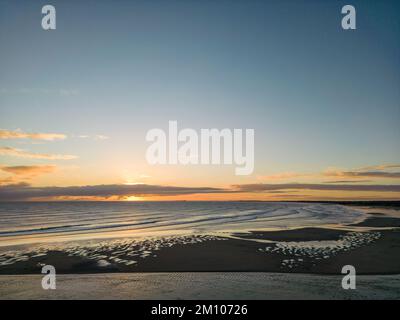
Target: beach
column 224, row 254
column 200, row 150
column 371, row 245
column 290, row 256
column 200, row 286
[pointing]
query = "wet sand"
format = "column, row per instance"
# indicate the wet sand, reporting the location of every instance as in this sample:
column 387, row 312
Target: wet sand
column 303, row 250
column 379, row 222
column 302, row 263
column 199, row 286
column 382, row 256
column 303, row 234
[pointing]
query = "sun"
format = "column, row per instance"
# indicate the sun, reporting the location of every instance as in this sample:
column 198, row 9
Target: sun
column 133, row 198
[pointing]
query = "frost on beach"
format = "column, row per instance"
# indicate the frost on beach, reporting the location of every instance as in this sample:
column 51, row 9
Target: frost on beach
column 315, row 251
column 106, row 253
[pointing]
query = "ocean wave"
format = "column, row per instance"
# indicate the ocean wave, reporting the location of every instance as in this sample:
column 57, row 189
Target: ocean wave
column 72, row 221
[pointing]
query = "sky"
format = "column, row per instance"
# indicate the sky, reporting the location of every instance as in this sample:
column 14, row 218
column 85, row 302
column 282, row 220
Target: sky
column 76, row 102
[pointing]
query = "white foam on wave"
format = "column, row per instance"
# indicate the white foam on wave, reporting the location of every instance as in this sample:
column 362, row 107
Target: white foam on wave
column 70, row 222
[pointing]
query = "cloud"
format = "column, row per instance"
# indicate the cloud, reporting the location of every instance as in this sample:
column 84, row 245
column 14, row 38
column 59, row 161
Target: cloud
column 25, row 192
column 381, row 167
column 18, row 134
column 95, row 137
column 13, row 184
column 8, row 151
column 7, row 181
column 384, row 171
column 283, row 176
column 315, row 186
column 101, row 137
column 29, row 171
column 348, row 181
column 361, row 173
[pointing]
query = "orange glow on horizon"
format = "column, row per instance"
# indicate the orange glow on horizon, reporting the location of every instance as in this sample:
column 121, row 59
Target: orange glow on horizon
column 284, row 196
column 134, row 198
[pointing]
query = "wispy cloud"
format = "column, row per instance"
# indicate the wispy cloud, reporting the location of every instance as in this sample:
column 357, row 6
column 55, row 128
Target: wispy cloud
column 22, row 174
column 384, row 171
column 95, row 137
column 13, row 152
column 348, row 181
column 10, row 182
column 261, row 187
column 101, row 137
column 7, row 181
column 29, row 171
column 366, row 172
column 283, row 176
column 381, row 167
column 18, row 134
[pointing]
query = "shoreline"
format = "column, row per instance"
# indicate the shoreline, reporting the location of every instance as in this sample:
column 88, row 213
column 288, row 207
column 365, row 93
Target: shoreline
column 372, row 246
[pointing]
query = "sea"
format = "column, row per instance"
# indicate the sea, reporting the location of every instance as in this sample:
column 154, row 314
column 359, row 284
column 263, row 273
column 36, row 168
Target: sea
column 24, row 223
